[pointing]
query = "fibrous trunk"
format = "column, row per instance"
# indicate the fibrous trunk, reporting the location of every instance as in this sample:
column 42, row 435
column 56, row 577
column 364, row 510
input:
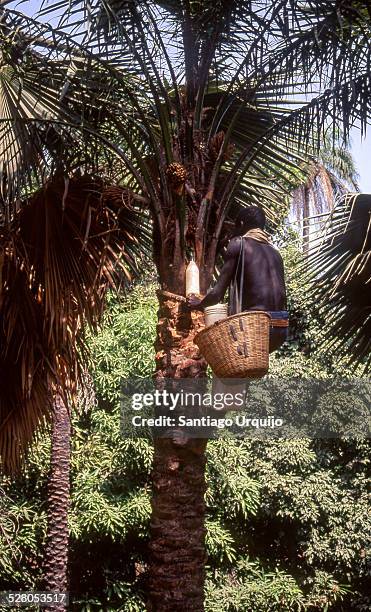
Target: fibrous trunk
column 177, row 548
column 56, row 553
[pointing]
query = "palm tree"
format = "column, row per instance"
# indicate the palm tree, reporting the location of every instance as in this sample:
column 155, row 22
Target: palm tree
column 329, row 175
column 192, row 105
column 56, row 553
column 62, row 252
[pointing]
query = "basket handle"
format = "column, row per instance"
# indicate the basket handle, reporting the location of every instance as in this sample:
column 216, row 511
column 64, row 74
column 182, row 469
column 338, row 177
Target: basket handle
column 237, row 288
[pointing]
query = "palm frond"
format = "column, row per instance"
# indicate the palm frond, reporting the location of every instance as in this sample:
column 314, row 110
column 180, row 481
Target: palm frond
column 55, row 114
column 340, row 271
column 73, row 240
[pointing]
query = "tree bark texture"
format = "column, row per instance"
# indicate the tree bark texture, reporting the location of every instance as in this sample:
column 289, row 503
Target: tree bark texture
column 56, row 552
column 177, row 548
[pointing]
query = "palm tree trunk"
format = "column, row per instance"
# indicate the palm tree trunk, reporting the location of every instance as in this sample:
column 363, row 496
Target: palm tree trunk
column 56, row 552
column 178, row 509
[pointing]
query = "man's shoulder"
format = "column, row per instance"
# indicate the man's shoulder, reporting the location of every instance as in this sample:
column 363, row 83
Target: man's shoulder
column 255, row 246
column 235, row 241
column 234, row 246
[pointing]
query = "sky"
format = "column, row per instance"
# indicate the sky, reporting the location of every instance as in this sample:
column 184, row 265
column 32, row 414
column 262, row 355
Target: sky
column 361, row 148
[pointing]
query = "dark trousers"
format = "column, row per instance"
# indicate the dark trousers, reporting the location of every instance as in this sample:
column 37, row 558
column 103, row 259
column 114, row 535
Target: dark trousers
column 278, row 335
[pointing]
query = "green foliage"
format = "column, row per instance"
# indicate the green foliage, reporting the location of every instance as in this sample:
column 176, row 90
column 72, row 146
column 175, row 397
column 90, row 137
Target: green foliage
column 124, row 346
column 219, row 542
column 227, row 476
column 250, row 587
column 22, row 525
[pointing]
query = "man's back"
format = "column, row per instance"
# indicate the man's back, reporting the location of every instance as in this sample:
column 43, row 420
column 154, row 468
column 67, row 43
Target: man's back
column 255, row 273
column 263, row 286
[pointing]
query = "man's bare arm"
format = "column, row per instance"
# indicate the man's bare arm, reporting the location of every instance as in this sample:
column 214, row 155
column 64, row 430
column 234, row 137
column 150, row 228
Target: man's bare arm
column 227, row 272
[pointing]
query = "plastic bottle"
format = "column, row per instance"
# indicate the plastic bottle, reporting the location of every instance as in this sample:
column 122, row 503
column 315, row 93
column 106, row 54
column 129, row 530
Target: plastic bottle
column 192, row 279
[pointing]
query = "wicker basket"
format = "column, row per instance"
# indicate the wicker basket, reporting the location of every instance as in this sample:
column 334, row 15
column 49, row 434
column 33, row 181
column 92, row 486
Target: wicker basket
column 238, row 346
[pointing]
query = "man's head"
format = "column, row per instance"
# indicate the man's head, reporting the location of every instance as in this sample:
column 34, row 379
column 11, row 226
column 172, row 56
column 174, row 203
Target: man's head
column 251, row 217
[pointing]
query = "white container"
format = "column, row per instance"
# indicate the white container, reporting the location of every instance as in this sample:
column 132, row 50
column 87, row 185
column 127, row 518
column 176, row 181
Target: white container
column 215, row 313
column 192, row 279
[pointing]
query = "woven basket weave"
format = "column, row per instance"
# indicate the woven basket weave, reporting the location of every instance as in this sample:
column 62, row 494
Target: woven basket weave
column 238, row 346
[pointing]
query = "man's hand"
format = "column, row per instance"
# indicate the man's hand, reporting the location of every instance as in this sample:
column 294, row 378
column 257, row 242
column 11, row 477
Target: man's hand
column 193, row 302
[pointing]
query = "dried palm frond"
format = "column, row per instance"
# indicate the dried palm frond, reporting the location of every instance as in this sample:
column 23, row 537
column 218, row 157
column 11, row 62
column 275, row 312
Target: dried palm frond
column 72, row 241
column 24, row 398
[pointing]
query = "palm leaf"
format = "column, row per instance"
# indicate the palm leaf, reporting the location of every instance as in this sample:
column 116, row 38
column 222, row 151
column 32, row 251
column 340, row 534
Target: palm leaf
column 340, row 272
column 74, row 239
column 52, row 110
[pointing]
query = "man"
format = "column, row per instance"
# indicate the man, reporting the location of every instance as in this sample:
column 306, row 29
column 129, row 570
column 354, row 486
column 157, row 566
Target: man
column 253, row 269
